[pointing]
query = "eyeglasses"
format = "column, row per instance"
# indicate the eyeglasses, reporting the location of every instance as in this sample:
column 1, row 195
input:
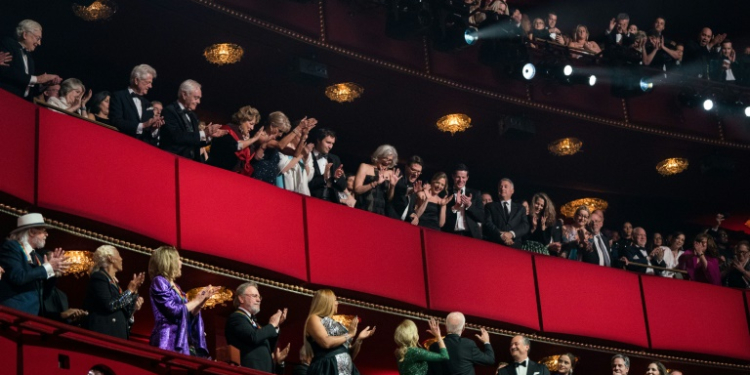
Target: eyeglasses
column 37, row 38
column 255, row 296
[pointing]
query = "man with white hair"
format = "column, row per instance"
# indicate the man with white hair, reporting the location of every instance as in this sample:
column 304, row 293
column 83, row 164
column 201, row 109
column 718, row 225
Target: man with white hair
column 131, row 113
column 17, row 73
column 25, row 272
column 180, row 134
column 463, row 352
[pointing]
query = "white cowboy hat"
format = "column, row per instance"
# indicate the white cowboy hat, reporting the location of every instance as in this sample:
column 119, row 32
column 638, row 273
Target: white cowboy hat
column 30, row 221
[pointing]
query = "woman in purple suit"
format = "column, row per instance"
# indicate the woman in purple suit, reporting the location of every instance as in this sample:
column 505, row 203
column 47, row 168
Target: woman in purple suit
column 177, row 322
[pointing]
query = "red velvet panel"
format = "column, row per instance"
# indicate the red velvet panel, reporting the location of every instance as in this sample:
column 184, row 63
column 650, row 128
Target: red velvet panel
column 712, row 320
column 8, row 350
column 273, row 235
column 588, row 300
column 96, row 173
column 357, row 250
column 18, row 124
column 495, row 282
column 41, row 360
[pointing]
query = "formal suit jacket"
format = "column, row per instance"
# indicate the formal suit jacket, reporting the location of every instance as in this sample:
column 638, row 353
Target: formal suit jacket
column 21, row 285
column 14, row 78
column 496, row 221
column 464, row 354
column 109, row 310
column 534, row 369
column 124, row 116
column 180, row 136
column 402, row 201
column 718, row 73
column 254, row 343
column 474, row 215
column 637, row 254
column 592, row 257
column 317, row 184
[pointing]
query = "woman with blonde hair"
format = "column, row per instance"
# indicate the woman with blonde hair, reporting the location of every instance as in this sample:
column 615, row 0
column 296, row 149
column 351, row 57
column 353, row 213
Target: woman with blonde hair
column 178, row 325
column 375, row 183
column 581, row 40
column 329, row 341
column 576, row 237
column 235, row 152
column 430, row 211
column 541, row 222
column 412, row 360
column 274, row 142
column 110, row 310
column 71, row 97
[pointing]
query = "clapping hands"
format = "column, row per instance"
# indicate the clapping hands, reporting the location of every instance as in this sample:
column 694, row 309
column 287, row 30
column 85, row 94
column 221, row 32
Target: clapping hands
column 215, row 130
column 5, row 58
column 280, row 355
column 57, row 261
column 137, row 281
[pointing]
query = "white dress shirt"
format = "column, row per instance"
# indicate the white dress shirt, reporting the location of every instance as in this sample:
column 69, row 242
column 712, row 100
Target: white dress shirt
column 28, row 249
column 460, row 213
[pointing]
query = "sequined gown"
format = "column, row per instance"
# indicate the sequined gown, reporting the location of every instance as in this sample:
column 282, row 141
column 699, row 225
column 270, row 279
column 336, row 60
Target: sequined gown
column 333, row 361
column 267, row 168
column 175, row 328
column 415, row 360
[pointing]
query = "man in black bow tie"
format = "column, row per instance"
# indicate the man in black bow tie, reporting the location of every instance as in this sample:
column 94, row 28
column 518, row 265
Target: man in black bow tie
column 17, row 65
column 328, row 172
column 464, row 216
column 131, row 112
column 257, row 345
column 180, row 134
column 522, row 365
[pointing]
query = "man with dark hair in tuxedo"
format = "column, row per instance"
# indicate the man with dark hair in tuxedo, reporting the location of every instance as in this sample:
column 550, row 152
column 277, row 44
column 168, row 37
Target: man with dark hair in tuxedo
column 180, row 134
column 505, row 221
column 404, row 193
column 256, row 343
column 131, row 113
column 463, row 217
column 328, row 172
column 464, row 353
column 522, row 365
column 17, row 65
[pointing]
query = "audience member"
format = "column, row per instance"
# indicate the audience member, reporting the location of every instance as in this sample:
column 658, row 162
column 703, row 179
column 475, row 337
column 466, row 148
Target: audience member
column 505, row 222
column 725, row 67
column 736, row 272
column 305, row 357
column 323, row 334
column 99, row 110
column 626, row 235
column 404, row 199
column 235, row 152
column 430, row 210
column 158, row 108
column 617, row 34
column 17, row 73
column 49, row 90
column 21, row 288
column 131, row 113
column 466, row 212
column 72, row 98
column 702, row 262
column 722, row 246
column 519, row 350
column 5, row 58
column 178, row 325
column 374, row 183
column 256, row 343
column 347, row 196
column 463, row 352
column 599, row 253
column 581, row 40
column 538, row 30
column 296, row 170
column 552, row 24
column 672, row 259
column 638, row 253
column 656, row 240
column 110, row 309
column 565, row 364
column 55, row 303
column 486, row 198
column 328, row 172
column 541, row 222
column 656, row 368
column 698, row 54
column 412, row 360
column 632, row 29
column 675, row 372
column 620, row 364
column 576, row 238
column 268, row 153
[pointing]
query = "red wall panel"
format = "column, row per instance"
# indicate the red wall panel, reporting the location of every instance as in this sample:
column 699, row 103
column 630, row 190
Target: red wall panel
column 357, row 250
column 696, row 317
column 8, row 350
column 494, row 282
column 588, row 300
column 41, row 360
column 249, row 221
column 93, row 172
column 18, row 124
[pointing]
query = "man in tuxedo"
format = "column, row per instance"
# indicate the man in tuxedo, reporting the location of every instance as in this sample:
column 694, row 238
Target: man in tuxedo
column 463, row 217
column 636, row 252
column 328, row 172
column 131, row 113
column 17, row 73
column 725, row 68
column 620, row 364
column 505, row 222
column 25, row 272
column 257, row 345
column 463, row 352
column 600, row 252
column 618, row 34
column 522, row 365
column 404, row 195
column 698, row 54
column 180, row 134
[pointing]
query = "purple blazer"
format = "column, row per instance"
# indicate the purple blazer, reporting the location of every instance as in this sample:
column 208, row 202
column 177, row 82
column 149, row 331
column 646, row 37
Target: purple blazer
column 691, row 263
column 175, row 328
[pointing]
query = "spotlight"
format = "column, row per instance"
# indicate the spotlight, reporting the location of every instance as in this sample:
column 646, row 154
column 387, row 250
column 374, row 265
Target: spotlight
column 708, row 104
column 646, row 85
column 592, row 80
column 747, row 111
column 567, row 70
column 528, row 71
column 471, row 35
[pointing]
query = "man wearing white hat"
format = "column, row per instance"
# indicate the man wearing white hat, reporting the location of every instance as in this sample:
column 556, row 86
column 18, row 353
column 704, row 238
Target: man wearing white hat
column 25, row 272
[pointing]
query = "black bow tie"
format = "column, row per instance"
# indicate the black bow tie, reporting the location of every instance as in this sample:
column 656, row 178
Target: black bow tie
column 134, row 95
column 321, row 156
column 185, row 111
column 520, row 364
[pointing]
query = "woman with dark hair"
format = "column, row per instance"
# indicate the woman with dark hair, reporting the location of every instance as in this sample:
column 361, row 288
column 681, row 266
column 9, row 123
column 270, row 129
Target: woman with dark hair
column 235, row 152
column 430, row 210
column 565, row 364
column 541, row 221
column 702, row 262
column 576, row 236
column 656, row 240
column 99, row 109
column 656, row 368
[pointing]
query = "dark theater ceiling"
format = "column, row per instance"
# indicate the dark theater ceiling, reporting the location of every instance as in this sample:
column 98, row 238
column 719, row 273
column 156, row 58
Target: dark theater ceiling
column 616, row 164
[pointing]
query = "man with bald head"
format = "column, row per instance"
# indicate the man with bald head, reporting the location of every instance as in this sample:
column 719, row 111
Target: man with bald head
column 699, row 53
column 463, row 352
column 638, row 253
column 522, row 365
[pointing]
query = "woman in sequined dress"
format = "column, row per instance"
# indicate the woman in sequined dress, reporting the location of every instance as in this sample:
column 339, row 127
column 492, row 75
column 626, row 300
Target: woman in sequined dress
column 331, row 343
column 412, row 360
